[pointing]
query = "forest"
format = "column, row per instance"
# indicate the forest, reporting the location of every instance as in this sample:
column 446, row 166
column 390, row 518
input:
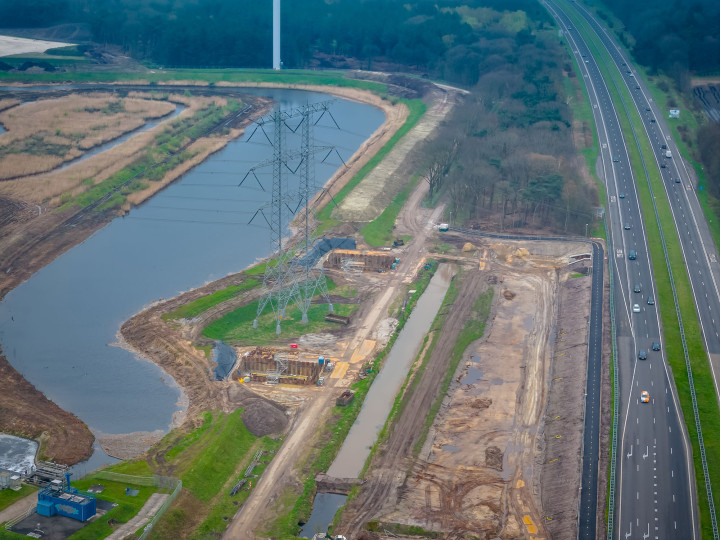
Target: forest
column 677, row 38
column 442, row 39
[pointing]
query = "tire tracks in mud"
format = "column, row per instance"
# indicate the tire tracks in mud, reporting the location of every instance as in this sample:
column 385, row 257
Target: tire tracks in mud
column 393, row 461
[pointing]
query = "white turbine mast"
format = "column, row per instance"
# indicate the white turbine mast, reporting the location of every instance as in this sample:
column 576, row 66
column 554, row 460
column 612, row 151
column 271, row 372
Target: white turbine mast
column 276, row 34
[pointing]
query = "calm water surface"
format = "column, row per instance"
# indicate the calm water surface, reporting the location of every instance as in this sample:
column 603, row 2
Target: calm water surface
column 58, row 328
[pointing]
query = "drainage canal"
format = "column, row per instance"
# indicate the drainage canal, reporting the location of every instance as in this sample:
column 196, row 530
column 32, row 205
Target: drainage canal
column 379, row 400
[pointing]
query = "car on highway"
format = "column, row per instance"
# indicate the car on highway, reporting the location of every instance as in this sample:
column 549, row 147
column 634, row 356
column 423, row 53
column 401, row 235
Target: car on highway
column 645, row 396
column 663, row 146
column 636, row 308
column 656, row 346
column 663, row 166
column 621, row 195
column 637, row 288
column 627, row 226
column 642, row 355
column 615, row 159
column 637, row 88
column 677, row 180
column 632, row 255
column 651, row 301
column 652, row 120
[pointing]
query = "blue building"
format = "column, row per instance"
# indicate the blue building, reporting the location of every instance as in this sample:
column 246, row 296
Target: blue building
column 58, row 499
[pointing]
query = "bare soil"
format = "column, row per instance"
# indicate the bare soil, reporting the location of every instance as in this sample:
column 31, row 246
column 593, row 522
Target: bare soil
column 26, row 412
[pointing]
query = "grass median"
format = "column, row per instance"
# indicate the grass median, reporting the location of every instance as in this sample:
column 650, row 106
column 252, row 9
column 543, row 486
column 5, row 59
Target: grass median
column 652, row 191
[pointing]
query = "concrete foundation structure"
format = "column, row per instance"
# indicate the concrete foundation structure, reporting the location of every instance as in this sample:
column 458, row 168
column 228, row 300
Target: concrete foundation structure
column 365, row 261
column 261, row 365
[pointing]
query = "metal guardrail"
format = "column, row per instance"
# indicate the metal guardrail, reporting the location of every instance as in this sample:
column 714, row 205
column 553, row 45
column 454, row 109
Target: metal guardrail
column 688, row 367
column 616, row 398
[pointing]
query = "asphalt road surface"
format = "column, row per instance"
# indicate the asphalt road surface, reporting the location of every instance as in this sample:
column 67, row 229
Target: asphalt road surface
column 655, row 490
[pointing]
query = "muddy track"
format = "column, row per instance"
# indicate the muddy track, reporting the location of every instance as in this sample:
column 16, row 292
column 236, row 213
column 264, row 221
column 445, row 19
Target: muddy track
column 392, row 462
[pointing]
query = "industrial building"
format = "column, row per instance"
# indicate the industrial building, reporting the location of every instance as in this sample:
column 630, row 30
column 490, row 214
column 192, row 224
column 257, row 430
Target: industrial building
column 64, row 500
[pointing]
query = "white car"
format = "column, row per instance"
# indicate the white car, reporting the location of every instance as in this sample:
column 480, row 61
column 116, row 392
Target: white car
column 636, row 308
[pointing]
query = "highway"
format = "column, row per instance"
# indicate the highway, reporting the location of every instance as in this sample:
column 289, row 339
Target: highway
column 655, row 491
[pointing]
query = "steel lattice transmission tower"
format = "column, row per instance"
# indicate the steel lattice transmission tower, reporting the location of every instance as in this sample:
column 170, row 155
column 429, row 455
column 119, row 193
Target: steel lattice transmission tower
column 294, row 276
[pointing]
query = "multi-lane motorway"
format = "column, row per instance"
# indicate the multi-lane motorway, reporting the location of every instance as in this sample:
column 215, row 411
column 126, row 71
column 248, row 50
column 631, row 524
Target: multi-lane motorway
column 655, row 491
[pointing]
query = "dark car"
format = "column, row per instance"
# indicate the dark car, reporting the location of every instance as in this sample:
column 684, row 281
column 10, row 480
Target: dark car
column 656, row 346
column 642, row 355
column 647, row 109
column 651, row 301
column 621, row 195
column 632, row 255
column 652, row 120
column 627, row 227
column 637, row 288
column 677, row 180
column 663, row 166
column 615, row 160
column 663, row 146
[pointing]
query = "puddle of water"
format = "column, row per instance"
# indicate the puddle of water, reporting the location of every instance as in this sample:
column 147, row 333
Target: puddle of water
column 528, row 322
column 363, row 434
column 119, row 140
column 450, row 448
column 224, row 356
column 473, row 376
column 325, row 506
column 2, row 129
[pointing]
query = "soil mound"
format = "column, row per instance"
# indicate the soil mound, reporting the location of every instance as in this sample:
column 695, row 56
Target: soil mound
column 262, row 416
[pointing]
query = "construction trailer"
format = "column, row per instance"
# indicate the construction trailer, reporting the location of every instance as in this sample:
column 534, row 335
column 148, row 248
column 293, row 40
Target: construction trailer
column 63, row 500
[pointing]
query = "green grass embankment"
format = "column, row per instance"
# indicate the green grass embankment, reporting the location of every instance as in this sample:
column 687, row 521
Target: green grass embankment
column 379, row 232
column 210, row 76
column 417, row 109
column 209, row 460
column 196, row 307
column 705, row 391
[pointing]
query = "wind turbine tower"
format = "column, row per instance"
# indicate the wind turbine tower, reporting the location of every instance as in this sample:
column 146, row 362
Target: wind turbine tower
column 276, row 34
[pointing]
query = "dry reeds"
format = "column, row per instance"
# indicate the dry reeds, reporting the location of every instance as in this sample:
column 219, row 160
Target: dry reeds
column 45, row 133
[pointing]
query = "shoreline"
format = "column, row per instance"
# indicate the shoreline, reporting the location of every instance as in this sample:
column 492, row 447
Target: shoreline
column 395, row 116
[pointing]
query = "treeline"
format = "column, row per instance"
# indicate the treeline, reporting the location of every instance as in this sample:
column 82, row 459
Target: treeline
column 675, row 37
column 506, row 157
column 444, row 38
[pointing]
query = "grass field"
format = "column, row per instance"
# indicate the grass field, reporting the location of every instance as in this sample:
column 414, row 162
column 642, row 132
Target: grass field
column 196, row 307
column 209, row 460
column 237, row 326
column 8, row 496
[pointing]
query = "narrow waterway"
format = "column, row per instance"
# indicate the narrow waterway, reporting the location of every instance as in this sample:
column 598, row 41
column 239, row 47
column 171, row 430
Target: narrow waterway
column 379, row 400
column 119, row 140
column 59, row 328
